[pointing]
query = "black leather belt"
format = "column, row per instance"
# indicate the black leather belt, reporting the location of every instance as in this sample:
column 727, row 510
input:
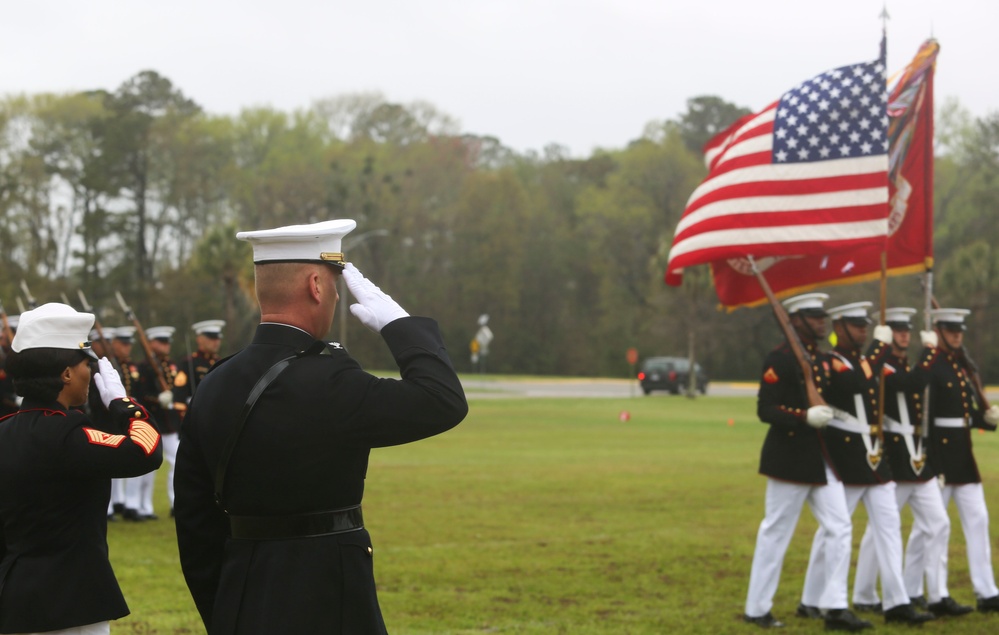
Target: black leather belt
column 337, row 521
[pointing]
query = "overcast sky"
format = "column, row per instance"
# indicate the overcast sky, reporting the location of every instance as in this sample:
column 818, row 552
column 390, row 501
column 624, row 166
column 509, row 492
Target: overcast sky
column 581, row 73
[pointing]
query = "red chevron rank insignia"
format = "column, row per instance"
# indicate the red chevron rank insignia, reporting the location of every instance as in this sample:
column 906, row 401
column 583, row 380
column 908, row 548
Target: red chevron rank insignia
column 771, row 376
column 99, row 437
column 143, row 435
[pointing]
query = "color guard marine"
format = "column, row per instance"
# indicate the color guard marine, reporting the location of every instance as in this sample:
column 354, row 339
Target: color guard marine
column 905, row 449
column 854, row 443
column 957, row 406
column 798, row 470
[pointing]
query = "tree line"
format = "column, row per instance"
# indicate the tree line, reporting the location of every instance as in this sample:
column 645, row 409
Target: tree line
column 139, row 190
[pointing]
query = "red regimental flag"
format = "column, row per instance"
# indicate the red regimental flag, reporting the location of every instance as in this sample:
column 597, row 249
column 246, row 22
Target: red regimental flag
column 909, row 243
column 808, row 174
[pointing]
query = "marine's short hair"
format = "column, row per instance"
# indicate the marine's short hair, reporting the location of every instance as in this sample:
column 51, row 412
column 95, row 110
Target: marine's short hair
column 37, row 372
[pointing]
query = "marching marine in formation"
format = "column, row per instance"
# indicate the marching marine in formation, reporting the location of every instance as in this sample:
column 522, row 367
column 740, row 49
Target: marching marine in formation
column 208, row 339
column 853, row 441
column 160, row 402
column 8, row 396
column 957, row 406
column 915, row 480
column 798, row 470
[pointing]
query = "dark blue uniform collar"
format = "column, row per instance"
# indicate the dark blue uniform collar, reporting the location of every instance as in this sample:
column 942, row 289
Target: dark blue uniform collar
column 282, row 335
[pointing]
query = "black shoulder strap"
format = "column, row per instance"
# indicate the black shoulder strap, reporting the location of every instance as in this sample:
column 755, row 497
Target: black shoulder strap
column 258, row 389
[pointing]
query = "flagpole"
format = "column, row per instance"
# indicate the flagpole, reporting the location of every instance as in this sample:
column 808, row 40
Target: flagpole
column 881, row 380
column 814, row 398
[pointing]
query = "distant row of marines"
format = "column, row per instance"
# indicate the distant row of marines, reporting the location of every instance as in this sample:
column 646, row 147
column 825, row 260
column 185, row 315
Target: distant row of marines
column 835, row 455
column 132, row 498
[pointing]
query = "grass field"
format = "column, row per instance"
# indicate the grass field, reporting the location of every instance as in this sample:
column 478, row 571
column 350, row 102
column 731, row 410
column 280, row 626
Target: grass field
column 548, row 516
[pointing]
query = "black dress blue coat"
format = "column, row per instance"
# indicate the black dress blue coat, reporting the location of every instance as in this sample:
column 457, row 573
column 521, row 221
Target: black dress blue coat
column 304, row 449
column 56, row 467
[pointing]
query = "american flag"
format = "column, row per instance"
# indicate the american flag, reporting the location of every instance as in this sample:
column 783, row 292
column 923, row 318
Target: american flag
column 808, row 174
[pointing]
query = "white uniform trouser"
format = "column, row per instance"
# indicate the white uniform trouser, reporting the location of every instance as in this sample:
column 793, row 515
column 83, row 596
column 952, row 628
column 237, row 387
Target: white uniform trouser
column 100, row 628
column 970, row 499
column 171, row 441
column 927, row 544
column 117, row 494
column 882, row 512
column 139, row 493
column 783, row 508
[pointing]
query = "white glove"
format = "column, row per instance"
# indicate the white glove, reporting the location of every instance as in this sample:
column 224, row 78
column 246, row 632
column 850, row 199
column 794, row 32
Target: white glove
column 108, row 382
column 882, row 333
column 929, row 338
column 18, row 400
column 375, row 309
column 992, row 415
column 166, row 399
column 819, row 416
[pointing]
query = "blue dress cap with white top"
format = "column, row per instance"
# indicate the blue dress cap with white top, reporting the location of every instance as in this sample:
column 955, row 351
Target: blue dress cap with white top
column 899, row 318
column 950, row 319
column 318, row 242
column 160, row 332
column 807, row 304
column 107, row 331
column 853, row 313
column 210, row 328
column 54, row 325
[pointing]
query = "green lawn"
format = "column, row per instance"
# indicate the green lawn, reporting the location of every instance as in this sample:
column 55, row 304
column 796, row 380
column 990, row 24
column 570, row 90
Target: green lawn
column 554, row 516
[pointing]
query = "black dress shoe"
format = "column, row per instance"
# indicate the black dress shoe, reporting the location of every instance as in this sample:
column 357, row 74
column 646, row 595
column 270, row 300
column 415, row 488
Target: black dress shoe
column 989, row 605
column 764, row 621
column 947, row 606
column 811, row 612
column 868, row 608
column 118, row 508
column 131, row 515
column 918, row 602
column 844, row 620
column 907, row 614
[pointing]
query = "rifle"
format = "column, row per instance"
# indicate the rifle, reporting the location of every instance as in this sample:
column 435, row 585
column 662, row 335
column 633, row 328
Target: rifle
column 20, row 305
column 27, row 294
column 144, row 341
column 87, row 308
column 814, row 398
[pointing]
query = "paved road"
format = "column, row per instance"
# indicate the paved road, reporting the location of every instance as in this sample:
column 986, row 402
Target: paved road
column 493, row 387
column 498, row 388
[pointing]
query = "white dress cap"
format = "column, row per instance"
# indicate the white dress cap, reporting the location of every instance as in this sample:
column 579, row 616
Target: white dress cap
column 54, row 325
column 208, row 327
column 108, row 332
column 946, row 316
column 898, row 316
column 160, row 332
column 810, row 302
column 124, row 332
column 318, row 242
column 855, row 311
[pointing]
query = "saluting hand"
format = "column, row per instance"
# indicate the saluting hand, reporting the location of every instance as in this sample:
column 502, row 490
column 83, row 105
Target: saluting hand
column 108, row 382
column 374, row 307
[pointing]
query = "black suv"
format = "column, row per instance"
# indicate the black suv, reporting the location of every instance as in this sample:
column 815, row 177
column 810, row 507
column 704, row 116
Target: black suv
column 670, row 373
